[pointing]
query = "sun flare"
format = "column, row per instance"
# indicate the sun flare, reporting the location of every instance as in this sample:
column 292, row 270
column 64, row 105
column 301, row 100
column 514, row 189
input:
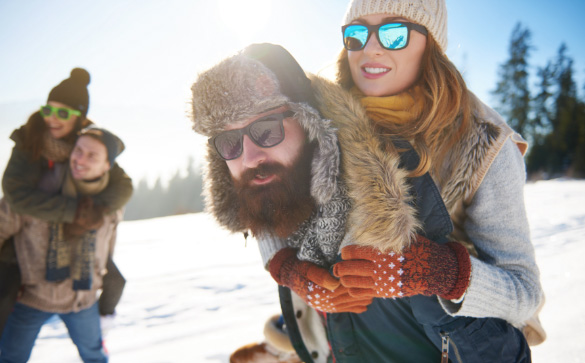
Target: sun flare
column 244, row 19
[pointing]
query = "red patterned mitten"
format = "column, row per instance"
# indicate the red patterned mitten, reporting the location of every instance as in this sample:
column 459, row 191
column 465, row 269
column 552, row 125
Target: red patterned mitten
column 314, row 284
column 424, row 268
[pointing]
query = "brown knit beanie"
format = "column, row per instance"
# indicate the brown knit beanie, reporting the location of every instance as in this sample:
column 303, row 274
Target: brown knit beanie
column 73, row 91
column 432, row 14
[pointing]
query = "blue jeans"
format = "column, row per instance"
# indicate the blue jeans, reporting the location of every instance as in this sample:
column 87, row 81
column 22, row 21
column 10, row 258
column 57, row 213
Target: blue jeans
column 24, row 324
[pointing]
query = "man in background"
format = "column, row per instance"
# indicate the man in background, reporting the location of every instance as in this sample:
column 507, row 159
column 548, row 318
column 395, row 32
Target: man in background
column 63, row 264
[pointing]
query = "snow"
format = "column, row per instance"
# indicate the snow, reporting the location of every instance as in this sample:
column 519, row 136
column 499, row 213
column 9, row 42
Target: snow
column 556, row 211
column 195, row 292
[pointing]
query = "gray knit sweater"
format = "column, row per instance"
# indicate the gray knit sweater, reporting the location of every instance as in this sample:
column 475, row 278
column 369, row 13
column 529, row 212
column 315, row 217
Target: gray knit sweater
column 504, row 277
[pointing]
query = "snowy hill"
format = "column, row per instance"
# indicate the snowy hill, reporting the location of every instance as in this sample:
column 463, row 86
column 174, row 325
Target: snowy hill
column 195, row 293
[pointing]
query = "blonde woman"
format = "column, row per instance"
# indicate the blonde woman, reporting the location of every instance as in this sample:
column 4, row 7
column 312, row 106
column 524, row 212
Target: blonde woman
column 438, row 233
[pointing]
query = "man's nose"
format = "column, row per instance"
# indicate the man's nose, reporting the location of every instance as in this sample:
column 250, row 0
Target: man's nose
column 252, row 154
column 79, row 158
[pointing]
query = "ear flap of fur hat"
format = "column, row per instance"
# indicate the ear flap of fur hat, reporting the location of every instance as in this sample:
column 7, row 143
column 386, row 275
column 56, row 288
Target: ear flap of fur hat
column 240, row 87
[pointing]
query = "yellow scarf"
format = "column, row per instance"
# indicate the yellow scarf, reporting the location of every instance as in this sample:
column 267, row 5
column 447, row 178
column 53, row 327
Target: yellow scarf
column 398, row 109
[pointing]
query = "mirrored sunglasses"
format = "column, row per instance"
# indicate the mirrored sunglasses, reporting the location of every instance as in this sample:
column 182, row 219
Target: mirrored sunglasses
column 265, row 132
column 391, row 36
column 62, row 113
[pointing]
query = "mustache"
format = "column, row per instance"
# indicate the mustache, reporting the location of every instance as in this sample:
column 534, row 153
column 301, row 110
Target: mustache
column 262, row 169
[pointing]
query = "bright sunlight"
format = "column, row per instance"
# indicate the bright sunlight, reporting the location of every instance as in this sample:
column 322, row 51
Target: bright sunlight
column 244, row 18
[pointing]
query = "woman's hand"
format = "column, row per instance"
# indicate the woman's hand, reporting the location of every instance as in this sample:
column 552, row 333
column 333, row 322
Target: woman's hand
column 423, row 268
column 88, row 216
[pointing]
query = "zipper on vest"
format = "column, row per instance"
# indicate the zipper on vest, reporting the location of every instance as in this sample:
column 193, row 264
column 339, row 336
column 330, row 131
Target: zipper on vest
column 444, row 347
column 446, row 341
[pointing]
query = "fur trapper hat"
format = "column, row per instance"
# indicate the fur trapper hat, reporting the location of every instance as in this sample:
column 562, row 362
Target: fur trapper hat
column 432, row 14
column 259, row 78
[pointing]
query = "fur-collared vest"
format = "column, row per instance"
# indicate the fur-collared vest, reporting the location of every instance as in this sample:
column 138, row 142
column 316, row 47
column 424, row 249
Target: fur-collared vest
column 382, row 215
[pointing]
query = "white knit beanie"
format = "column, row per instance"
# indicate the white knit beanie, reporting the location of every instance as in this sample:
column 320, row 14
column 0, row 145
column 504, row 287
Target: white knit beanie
column 432, row 14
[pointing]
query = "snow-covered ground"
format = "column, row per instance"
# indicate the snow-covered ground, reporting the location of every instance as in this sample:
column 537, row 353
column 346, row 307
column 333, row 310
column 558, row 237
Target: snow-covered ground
column 195, row 293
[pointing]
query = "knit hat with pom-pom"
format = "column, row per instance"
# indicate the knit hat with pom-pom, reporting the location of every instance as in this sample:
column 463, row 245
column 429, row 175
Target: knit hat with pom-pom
column 73, row 91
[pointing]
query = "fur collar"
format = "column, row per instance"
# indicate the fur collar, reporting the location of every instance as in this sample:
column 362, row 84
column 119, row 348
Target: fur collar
column 471, row 157
column 382, row 215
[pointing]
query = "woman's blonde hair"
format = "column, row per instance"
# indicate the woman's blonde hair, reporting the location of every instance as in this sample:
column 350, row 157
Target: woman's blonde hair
column 446, row 108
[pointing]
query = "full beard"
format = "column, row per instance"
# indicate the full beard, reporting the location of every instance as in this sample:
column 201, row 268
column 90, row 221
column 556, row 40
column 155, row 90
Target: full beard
column 282, row 205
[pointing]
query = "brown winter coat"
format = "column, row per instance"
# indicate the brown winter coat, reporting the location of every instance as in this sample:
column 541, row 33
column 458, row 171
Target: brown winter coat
column 31, row 238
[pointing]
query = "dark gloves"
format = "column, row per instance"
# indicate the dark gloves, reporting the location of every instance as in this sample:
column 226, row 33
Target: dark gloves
column 425, row 268
column 314, row 284
column 88, row 216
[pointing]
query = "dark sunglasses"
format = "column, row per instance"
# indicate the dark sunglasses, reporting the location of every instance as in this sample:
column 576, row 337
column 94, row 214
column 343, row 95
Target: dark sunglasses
column 63, row 113
column 265, row 132
column 391, row 36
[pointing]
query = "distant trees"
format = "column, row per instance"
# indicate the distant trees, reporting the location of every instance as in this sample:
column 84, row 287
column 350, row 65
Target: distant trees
column 560, row 146
column 553, row 120
column 182, row 195
column 512, row 89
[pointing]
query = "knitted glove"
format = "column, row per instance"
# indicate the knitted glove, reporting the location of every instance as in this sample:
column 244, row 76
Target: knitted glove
column 314, row 284
column 88, row 216
column 425, row 268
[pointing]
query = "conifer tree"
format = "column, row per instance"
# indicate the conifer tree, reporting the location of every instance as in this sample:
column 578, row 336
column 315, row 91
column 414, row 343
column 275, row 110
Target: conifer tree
column 538, row 157
column 183, row 194
column 559, row 146
column 542, row 102
column 512, row 92
column 565, row 126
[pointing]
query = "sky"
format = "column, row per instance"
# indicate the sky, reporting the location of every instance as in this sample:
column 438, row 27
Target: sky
column 195, row 293
column 143, row 55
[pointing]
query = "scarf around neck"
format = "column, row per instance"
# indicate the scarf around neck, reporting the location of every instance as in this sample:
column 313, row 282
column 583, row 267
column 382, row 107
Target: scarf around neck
column 73, row 259
column 398, row 109
column 73, row 188
column 56, row 150
column 319, row 237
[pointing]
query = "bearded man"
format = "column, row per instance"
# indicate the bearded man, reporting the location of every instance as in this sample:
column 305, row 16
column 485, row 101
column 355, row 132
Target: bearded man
column 273, row 170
